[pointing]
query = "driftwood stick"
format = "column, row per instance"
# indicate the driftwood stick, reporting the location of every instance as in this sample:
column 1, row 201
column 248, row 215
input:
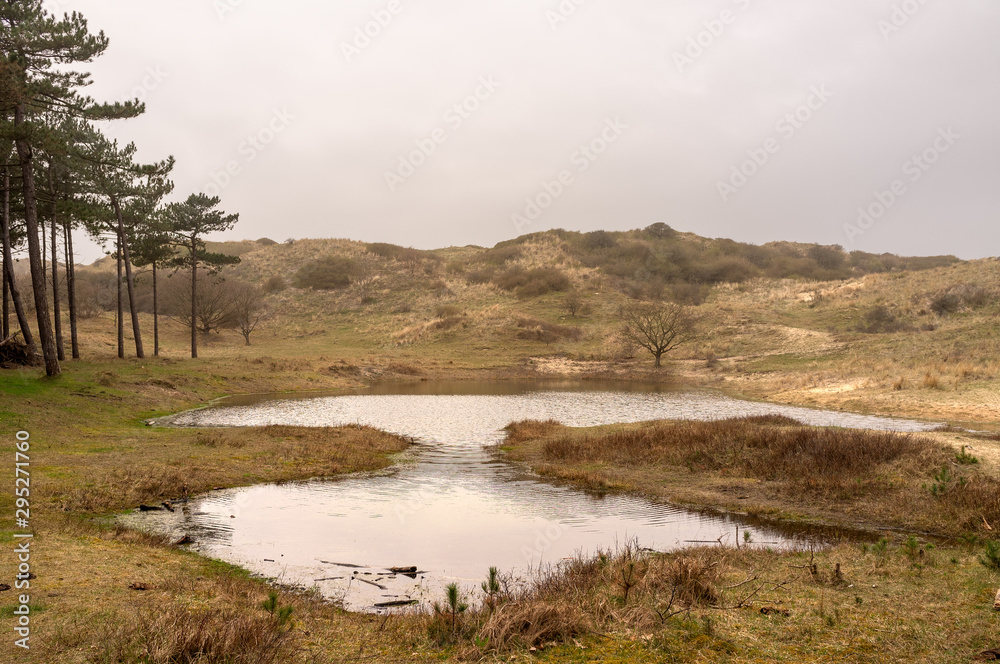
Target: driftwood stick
column 389, row 605
column 371, row 583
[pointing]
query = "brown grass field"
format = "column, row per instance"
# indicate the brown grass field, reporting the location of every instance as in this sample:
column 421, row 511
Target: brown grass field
column 776, row 468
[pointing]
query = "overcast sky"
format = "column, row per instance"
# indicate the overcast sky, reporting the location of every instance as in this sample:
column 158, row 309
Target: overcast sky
column 758, row 120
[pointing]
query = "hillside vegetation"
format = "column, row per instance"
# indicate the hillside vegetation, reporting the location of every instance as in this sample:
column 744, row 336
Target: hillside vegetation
column 795, row 323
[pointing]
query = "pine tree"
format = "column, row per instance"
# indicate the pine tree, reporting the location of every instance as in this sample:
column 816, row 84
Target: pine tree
column 132, row 192
column 188, row 223
column 32, row 43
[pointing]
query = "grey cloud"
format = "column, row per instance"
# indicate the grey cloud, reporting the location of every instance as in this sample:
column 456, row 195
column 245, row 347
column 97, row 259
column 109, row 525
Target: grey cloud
column 325, row 174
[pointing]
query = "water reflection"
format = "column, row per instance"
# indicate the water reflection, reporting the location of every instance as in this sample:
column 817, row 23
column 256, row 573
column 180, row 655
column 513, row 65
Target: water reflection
column 453, row 511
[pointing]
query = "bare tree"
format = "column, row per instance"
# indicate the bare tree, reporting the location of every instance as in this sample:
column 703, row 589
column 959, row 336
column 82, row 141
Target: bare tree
column 248, row 308
column 213, row 308
column 657, row 327
column 575, row 304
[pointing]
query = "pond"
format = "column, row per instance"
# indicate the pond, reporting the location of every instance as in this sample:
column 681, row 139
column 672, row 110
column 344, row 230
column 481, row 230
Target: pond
column 451, row 509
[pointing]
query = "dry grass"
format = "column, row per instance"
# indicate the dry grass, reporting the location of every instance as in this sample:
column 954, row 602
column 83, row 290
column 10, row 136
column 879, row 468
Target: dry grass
column 774, row 467
column 176, row 634
column 826, row 363
column 191, row 611
column 195, row 461
column 845, row 603
column 531, row 622
column 767, row 448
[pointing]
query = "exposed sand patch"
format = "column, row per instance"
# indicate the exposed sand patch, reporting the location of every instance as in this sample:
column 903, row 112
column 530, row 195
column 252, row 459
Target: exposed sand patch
column 840, row 388
column 568, row 367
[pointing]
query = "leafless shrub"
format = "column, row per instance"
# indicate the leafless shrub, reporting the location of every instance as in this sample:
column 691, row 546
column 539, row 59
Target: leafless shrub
column 214, row 308
column 479, row 276
column 575, row 304
column 248, row 308
column 275, row 284
column 882, row 319
column 327, row 273
column 951, row 300
column 532, row 283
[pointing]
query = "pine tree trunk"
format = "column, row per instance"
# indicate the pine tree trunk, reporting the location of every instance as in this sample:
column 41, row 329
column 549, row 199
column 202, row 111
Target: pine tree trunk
column 56, row 314
column 3, row 275
column 133, row 306
column 48, row 342
column 120, row 319
column 156, row 316
column 71, row 290
column 22, row 315
column 8, row 266
column 194, row 297
column 6, row 297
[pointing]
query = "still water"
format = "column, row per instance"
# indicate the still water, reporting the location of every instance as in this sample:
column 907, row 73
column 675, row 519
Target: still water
column 450, row 508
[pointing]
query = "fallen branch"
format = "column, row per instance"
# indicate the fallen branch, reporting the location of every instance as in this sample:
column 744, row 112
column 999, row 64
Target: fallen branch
column 743, row 583
column 401, row 602
column 371, row 583
column 743, row 602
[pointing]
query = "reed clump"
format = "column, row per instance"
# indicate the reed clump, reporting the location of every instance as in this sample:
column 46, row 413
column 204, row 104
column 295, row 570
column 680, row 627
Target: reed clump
column 767, row 448
column 629, row 588
column 774, row 467
column 178, row 634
